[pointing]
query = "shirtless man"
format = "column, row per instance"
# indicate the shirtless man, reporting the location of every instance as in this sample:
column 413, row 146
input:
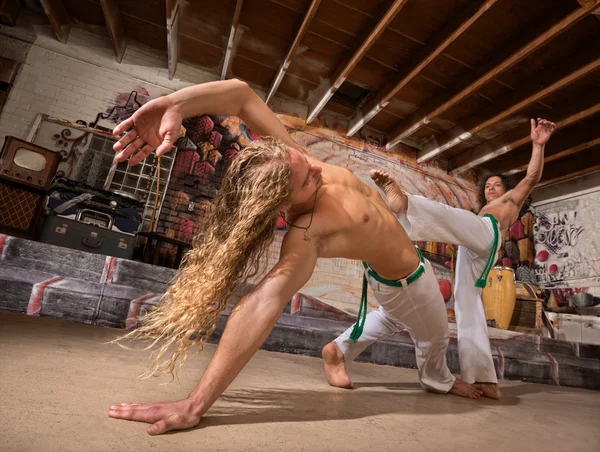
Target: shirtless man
column 479, row 240
column 331, row 214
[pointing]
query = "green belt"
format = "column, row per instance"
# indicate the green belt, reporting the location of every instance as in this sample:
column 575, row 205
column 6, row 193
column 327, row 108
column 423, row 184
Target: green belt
column 362, row 310
column 492, row 257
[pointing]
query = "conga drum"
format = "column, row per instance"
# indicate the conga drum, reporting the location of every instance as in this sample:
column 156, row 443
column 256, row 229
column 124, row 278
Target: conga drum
column 499, row 296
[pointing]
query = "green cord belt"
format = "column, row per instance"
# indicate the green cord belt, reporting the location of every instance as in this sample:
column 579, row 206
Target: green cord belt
column 362, row 310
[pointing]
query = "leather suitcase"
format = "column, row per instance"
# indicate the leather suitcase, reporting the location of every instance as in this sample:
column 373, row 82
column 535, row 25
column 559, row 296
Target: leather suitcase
column 87, row 237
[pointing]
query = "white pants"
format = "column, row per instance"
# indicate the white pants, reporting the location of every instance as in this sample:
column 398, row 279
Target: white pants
column 418, row 308
column 427, row 220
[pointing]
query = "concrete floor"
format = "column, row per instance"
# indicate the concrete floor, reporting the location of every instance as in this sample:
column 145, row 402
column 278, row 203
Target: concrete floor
column 57, row 380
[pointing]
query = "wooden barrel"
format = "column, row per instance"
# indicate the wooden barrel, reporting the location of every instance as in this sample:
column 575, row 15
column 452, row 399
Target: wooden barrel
column 499, row 296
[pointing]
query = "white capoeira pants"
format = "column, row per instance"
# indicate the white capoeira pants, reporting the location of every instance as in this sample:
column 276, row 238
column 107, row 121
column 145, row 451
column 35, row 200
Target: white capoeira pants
column 427, row 220
column 417, row 307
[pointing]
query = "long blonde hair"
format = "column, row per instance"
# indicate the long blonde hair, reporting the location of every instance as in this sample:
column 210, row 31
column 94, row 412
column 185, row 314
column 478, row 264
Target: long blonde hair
column 227, row 252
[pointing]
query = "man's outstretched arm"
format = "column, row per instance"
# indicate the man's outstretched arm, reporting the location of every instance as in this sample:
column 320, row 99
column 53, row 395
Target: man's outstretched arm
column 540, row 134
column 248, row 326
column 156, row 125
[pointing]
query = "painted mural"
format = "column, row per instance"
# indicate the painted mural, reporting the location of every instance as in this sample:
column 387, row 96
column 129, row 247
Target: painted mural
column 567, row 248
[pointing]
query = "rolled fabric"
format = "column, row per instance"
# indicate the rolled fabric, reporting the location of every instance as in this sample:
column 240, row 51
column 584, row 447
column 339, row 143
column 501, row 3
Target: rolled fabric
column 203, row 128
column 516, row 231
column 526, row 251
column 528, row 221
column 511, row 250
column 215, row 139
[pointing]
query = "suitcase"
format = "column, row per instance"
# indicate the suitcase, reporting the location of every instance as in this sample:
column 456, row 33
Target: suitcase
column 87, row 237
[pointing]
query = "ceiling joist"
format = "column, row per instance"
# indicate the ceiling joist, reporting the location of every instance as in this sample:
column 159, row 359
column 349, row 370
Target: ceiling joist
column 559, row 155
column 114, row 24
column 508, row 108
column 342, row 72
column 450, row 33
column 234, row 24
column 438, row 106
column 292, row 50
column 173, row 14
column 495, row 148
column 59, row 18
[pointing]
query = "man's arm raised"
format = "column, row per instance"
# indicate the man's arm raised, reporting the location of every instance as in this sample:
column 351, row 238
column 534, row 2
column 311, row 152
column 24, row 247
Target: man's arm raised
column 156, row 124
column 540, row 134
column 248, row 326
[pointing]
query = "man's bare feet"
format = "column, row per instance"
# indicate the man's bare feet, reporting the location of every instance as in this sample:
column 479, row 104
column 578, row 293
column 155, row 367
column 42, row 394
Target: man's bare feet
column 335, row 367
column 395, row 196
column 489, row 390
column 463, row 389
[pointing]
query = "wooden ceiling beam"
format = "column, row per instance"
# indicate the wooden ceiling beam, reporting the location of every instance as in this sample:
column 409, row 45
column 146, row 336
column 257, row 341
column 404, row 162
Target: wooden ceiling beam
column 173, row 14
column 570, row 168
column 57, row 13
column 558, row 155
column 344, row 71
column 312, row 9
column 564, row 139
column 234, row 24
column 499, row 112
column 496, row 147
column 471, row 84
column 436, row 46
column 114, row 24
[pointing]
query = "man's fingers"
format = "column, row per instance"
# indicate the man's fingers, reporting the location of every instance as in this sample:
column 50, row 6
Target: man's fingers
column 122, row 127
column 165, row 425
column 133, row 147
column 173, row 421
column 125, row 140
column 141, row 155
column 165, row 146
column 133, row 413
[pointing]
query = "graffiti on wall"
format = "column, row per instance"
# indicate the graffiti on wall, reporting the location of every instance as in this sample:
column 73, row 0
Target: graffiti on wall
column 567, row 243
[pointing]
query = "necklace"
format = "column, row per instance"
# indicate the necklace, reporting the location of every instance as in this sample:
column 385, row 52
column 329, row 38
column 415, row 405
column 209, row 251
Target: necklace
column 306, row 234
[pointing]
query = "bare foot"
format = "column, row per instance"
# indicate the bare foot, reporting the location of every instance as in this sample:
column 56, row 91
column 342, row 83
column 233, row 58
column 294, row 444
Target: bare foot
column 489, row 390
column 463, row 389
column 335, row 367
column 395, row 196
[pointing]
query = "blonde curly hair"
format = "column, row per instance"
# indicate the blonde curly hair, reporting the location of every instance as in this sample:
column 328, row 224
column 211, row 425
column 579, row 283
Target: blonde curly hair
column 227, row 252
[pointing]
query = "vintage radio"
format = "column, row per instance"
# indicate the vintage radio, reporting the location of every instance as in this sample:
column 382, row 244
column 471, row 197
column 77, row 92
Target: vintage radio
column 26, row 172
column 28, row 164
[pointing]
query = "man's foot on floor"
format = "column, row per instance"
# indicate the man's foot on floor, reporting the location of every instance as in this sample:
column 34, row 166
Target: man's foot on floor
column 489, row 390
column 463, row 389
column 335, row 367
column 395, row 196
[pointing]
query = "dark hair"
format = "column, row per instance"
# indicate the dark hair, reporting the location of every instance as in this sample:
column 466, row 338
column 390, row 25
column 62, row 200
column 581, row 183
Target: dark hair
column 507, row 182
